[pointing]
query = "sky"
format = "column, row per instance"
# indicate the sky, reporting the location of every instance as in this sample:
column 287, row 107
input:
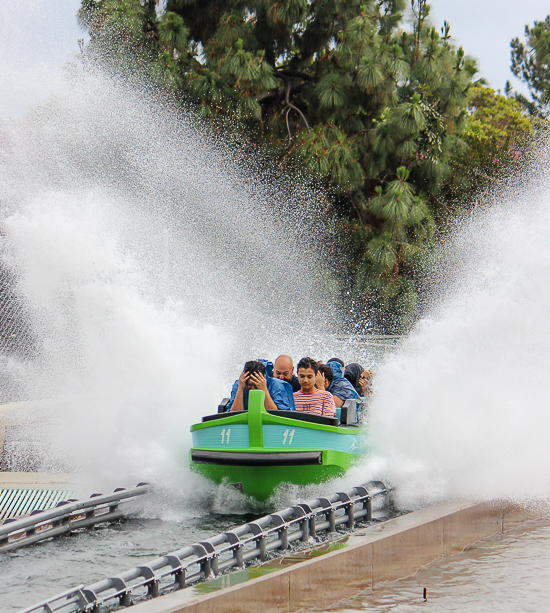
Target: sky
column 38, row 37
column 485, row 28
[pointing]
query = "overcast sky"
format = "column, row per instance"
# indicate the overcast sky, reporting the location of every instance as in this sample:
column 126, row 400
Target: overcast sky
column 37, row 37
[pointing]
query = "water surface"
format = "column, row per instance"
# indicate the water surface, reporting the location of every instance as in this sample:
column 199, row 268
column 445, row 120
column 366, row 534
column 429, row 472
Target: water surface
column 507, row 574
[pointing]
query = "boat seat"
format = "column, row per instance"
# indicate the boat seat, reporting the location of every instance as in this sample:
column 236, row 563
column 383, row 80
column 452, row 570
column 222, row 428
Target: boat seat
column 348, row 412
column 222, row 407
column 310, row 417
column 298, row 415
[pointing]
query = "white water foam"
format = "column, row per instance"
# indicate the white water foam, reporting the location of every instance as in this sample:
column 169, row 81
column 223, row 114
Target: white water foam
column 463, row 409
column 151, row 267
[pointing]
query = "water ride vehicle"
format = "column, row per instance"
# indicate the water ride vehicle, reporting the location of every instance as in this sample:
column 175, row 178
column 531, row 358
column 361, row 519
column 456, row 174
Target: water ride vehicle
column 259, row 450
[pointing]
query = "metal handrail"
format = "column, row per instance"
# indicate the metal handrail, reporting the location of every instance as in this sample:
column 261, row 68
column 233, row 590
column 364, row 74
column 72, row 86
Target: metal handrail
column 67, row 515
column 232, row 549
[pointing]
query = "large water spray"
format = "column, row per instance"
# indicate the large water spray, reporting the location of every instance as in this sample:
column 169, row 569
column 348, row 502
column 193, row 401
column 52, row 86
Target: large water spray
column 463, row 408
column 149, row 262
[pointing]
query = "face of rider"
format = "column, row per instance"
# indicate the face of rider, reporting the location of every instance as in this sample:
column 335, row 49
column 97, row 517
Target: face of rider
column 283, row 368
column 252, row 379
column 306, row 377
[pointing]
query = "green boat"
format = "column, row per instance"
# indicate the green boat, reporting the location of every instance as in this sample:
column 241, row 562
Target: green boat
column 259, row 450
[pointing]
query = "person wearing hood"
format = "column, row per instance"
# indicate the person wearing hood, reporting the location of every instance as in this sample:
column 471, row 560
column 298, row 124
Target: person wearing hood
column 257, row 374
column 340, row 387
column 358, row 377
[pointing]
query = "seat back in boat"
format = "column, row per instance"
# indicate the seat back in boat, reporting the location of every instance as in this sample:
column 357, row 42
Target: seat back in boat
column 348, row 412
column 222, row 407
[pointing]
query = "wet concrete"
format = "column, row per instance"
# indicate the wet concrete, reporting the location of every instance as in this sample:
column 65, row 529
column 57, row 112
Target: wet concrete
column 384, row 552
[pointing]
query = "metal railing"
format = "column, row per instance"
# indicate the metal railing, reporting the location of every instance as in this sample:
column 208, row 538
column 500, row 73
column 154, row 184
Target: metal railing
column 66, row 516
column 233, row 549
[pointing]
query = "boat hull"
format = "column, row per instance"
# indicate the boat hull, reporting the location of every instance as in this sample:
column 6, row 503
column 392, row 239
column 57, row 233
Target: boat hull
column 258, row 451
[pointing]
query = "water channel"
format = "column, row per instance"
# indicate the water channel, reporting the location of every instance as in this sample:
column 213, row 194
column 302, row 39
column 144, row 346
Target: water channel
column 143, row 262
column 35, row 573
column 507, row 574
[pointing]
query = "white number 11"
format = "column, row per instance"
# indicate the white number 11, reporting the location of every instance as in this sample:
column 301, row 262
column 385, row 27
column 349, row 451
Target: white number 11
column 289, row 437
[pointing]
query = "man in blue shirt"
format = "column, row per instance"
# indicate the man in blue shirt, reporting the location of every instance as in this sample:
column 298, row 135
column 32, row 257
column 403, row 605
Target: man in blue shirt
column 256, row 375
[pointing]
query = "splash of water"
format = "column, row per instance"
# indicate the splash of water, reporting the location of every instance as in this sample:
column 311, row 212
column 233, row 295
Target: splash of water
column 462, row 409
column 151, row 265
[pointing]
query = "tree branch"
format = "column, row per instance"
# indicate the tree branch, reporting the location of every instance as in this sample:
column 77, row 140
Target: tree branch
column 282, row 74
column 287, row 126
column 291, row 106
column 442, row 204
column 267, row 95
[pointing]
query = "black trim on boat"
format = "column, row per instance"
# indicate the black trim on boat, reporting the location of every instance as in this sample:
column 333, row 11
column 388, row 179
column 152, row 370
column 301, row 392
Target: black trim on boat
column 221, row 415
column 233, row 458
column 297, row 415
column 310, row 417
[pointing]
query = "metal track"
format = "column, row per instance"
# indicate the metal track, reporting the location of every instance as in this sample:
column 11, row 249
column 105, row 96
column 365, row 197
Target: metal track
column 67, row 515
column 233, row 549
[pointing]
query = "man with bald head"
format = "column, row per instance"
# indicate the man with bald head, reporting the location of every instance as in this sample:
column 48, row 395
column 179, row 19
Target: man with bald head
column 284, row 369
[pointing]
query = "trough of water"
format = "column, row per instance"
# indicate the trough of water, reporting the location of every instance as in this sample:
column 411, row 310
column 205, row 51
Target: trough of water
column 384, row 552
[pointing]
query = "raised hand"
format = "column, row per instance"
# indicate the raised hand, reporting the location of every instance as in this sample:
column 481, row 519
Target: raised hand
column 259, row 381
column 243, row 378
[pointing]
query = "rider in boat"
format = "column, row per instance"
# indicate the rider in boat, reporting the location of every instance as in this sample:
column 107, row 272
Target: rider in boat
column 340, row 387
column 310, row 399
column 359, row 377
column 257, row 375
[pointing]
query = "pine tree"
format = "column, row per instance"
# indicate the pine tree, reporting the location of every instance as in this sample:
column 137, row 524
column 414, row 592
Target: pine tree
column 531, row 64
column 377, row 108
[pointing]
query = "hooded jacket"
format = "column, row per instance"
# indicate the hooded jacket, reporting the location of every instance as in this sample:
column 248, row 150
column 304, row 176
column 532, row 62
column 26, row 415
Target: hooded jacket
column 340, row 386
column 353, row 374
column 280, row 391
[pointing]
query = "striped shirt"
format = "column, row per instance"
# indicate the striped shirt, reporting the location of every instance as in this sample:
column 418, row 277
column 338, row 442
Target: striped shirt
column 318, row 402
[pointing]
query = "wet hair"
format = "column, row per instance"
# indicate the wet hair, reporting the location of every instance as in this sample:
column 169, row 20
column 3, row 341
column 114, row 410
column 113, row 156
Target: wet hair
column 307, row 363
column 336, row 360
column 326, row 370
column 254, row 366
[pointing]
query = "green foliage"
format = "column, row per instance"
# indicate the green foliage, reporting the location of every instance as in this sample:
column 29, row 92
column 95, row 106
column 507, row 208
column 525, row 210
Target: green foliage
column 173, row 34
column 498, row 137
column 531, row 64
column 127, row 35
column 385, row 112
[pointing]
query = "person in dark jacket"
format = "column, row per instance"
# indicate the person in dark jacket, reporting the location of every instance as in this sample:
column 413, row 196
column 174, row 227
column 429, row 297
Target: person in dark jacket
column 257, row 375
column 340, row 387
column 358, row 377
column 284, row 369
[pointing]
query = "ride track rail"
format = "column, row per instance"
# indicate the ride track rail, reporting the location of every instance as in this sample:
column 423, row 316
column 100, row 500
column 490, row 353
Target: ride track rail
column 66, row 516
column 233, row 549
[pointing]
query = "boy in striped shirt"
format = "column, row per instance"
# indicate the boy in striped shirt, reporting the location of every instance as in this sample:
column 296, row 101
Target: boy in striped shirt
column 309, row 399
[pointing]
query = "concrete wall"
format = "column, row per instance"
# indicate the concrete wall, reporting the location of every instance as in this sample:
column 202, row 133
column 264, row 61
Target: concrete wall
column 384, row 552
